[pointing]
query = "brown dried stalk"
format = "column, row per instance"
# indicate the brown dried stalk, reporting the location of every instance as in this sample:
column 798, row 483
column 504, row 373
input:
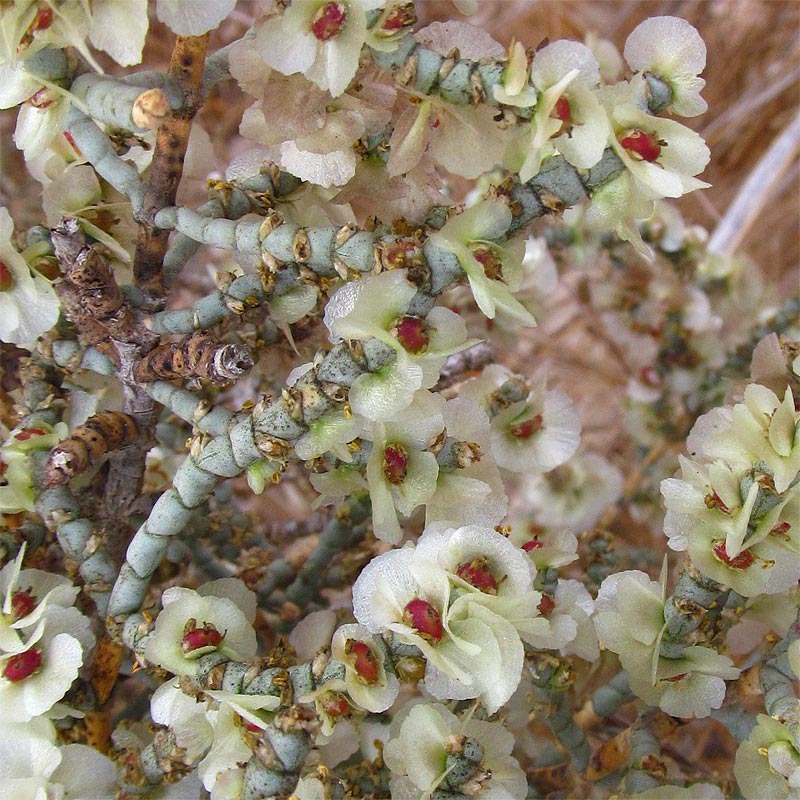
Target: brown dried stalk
column 200, row 355
column 101, row 434
column 186, row 69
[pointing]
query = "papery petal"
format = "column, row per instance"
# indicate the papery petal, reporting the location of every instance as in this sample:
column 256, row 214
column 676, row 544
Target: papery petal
column 193, row 17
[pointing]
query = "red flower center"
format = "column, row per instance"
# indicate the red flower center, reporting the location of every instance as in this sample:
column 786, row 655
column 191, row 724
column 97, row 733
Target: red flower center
column 395, row 463
column 546, row 605
column 562, row 109
column 334, row 704
column 526, row 429
column 424, row 618
column 533, row 544
column 328, row 21
column 741, row 561
column 22, row 603
column 396, row 17
column 477, row 573
column 29, row 433
column 6, row 277
column 43, row 19
column 364, row 661
column 487, row 258
column 22, row 665
column 412, row 333
column 642, row 144
column 677, row 678
column 207, row 636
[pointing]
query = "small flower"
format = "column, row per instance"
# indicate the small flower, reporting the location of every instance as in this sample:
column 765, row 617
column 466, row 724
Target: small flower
column 401, row 470
column 34, row 767
column 323, row 40
column 191, row 625
column 533, row 430
column 630, row 622
column 568, row 117
column 469, row 489
column 432, row 749
column 28, row 305
column 378, row 307
column 493, row 270
column 736, row 531
column 768, row 763
column 470, row 650
column 34, row 680
column 367, row 681
column 486, row 568
column 576, row 493
column 661, row 155
column 513, row 88
column 670, row 50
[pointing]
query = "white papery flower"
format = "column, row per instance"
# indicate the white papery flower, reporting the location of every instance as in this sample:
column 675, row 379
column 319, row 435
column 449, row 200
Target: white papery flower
column 192, row 625
column 42, row 640
column 323, row 40
column 193, row 17
column 432, row 748
column 484, row 567
column 28, row 305
column 674, row 52
column 768, row 763
column 575, row 494
column 26, row 595
column 401, row 470
column 629, row 620
column 367, row 681
column 494, row 271
column 472, row 493
column 764, row 428
column 470, row 650
column 35, row 769
column 568, row 117
column 377, row 307
column 662, row 155
column 714, row 513
column 532, row 431
column 569, row 613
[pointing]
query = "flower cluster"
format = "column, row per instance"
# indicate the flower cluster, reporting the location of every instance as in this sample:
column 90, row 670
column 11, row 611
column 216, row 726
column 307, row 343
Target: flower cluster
column 630, row 622
column 735, row 506
column 43, row 643
column 465, row 598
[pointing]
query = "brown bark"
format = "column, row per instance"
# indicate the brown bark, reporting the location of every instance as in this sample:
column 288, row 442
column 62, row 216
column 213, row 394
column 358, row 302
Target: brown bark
column 186, row 69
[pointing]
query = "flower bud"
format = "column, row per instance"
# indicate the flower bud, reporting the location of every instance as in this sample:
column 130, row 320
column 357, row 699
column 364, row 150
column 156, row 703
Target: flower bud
column 6, row 277
column 395, row 463
column 22, row 665
column 364, row 661
column 477, row 573
column 424, row 618
column 200, row 638
column 412, row 333
column 642, row 144
column 22, row 603
column 328, row 21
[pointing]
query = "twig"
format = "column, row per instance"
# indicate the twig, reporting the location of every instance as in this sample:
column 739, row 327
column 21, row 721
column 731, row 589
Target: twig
column 186, row 69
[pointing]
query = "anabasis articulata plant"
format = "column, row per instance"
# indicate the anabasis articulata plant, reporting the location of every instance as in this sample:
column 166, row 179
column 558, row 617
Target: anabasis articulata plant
column 478, row 615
